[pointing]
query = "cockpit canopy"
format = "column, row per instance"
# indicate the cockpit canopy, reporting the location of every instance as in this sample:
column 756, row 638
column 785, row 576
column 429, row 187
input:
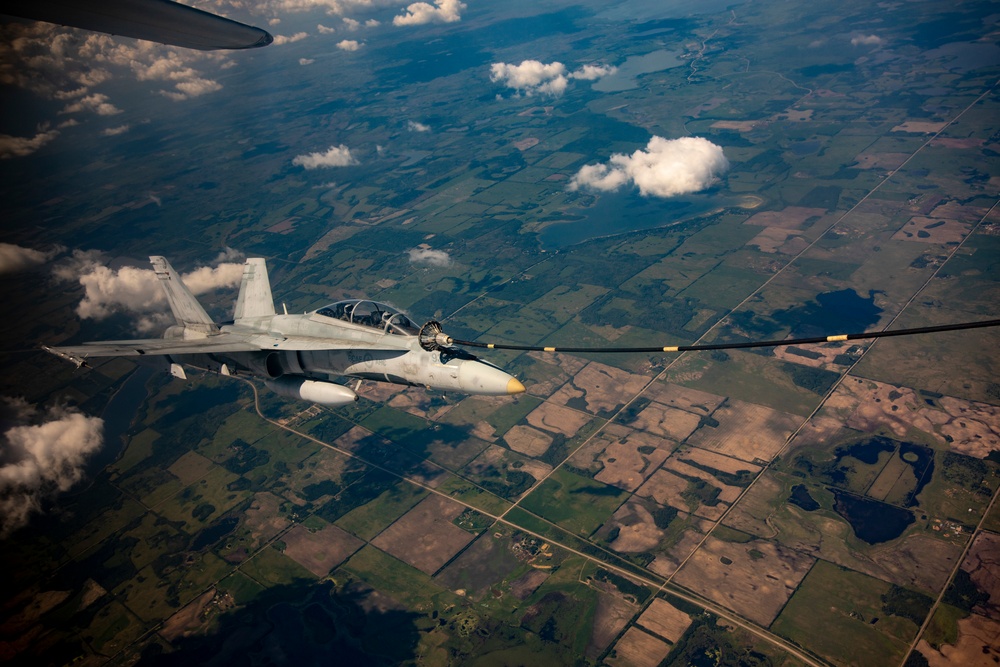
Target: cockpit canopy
column 371, row 314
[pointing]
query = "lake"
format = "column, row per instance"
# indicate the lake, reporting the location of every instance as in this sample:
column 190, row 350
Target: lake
column 619, row 213
column 626, row 76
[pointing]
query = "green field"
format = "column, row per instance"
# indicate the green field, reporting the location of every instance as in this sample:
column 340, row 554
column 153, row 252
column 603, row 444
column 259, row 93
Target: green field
column 833, row 611
column 576, row 503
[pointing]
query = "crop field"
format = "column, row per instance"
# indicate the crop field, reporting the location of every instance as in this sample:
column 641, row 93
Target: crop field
column 846, row 617
column 573, row 502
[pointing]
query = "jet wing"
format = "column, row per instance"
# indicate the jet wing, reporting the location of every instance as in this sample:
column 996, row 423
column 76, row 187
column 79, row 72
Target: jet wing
column 160, row 21
column 309, row 343
column 78, row 354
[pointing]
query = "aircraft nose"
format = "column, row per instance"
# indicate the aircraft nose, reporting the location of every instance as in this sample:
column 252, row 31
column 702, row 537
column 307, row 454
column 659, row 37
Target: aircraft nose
column 475, row 377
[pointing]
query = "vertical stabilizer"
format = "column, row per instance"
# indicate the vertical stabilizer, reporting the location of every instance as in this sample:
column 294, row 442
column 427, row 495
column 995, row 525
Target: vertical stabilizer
column 187, row 311
column 255, row 298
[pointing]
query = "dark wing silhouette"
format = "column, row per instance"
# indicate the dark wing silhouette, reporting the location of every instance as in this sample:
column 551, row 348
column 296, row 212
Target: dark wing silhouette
column 160, row 21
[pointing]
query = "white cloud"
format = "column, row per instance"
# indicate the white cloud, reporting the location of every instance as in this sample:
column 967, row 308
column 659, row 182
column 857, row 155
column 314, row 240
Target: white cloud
column 349, row 45
column 306, row 61
column 209, row 278
column 228, row 254
column 274, row 21
column 22, row 146
column 69, row 269
column 372, row 23
column 351, row 24
column 71, row 94
column 137, row 290
column 324, row 30
column 192, row 88
column 867, row 40
column 15, row 258
column 414, row 126
column 332, row 7
column 146, row 61
column 115, row 131
column 43, row 455
column 336, row 156
column 442, row 11
column 128, row 288
column 593, row 72
column 288, row 39
column 667, row 167
column 429, row 257
column 533, row 77
column 97, row 102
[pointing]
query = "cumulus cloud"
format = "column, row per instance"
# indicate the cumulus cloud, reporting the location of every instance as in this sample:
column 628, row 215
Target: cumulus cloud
column 65, row 64
column 306, row 61
column 69, row 269
column 867, row 40
column 429, row 257
column 15, row 258
column 668, row 167
column 533, row 77
column 192, row 88
column 41, row 455
column 414, row 126
column 349, row 45
column 115, row 131
column 336, row 156
column 97, row 103
column 332, row 7
column 137, row 290
column 71, row 94
column 442, row 11
column 351, row 24
column 593, row 72
column 324, row 30
column 288, row 39
column 21, row 146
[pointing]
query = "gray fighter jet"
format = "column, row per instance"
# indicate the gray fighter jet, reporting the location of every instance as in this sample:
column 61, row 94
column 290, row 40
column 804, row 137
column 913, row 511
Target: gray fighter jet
column 300, row 356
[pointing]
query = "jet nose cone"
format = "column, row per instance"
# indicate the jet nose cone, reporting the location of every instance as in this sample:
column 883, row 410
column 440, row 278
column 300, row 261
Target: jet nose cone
column 515, row 387
column 475, row 377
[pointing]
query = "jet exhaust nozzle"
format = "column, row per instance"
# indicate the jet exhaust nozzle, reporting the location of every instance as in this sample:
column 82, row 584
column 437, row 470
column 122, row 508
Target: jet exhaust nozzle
column 313, row 391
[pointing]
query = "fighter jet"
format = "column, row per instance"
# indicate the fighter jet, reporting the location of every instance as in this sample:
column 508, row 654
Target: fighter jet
column 301, row 356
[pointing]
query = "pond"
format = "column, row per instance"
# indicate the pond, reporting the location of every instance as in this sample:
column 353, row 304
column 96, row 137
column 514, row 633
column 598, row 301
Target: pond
column 214, row 533
column 873, row 522
column 800, row 497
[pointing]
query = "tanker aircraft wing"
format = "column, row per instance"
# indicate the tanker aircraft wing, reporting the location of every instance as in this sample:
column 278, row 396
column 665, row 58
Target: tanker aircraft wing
column 160, row 21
